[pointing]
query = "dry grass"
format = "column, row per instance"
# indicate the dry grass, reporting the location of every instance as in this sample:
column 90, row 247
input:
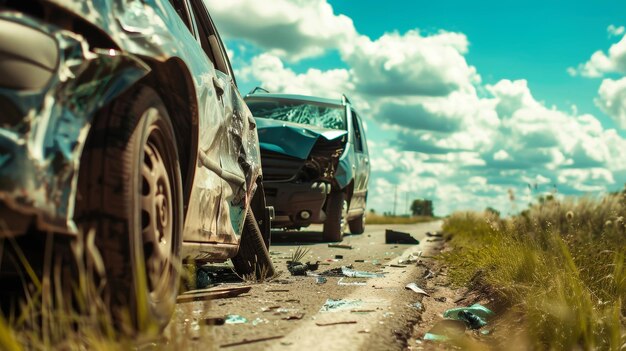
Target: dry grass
column 559, row 268
column 373, row 218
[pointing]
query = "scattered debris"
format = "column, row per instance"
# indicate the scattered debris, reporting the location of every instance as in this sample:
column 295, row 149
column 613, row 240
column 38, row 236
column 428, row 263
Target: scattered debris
column 320, row 280
column 358, row 283
column 334, row 323
column 410, row 259
column 362, row 311
column 259, row 320
column 397, row 266
column 435, row 234
column 418, row 306
column 441, row 299
column 474, row 316
column 429, row 274
column 339, row 257
column 417, row 289
column 212, row 293
column 340, row 305
column 298, row 268
column 294, row 317
column 277, row 290
column 362, row 261
column 269, row 309
column 351, row 273
column 341, row 246
column 393, row 237
column 250, row 341
column 213, row 321
column 364, row 331
column 235, row 319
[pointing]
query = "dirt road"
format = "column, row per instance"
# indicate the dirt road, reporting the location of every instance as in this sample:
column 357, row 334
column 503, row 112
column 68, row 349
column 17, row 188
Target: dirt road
column 302, row 313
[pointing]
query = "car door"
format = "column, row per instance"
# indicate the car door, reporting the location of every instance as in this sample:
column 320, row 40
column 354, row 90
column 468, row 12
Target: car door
column 361, row 176
column 234, row 134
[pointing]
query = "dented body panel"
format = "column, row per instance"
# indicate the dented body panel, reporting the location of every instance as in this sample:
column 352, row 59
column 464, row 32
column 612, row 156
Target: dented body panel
column 41, row 141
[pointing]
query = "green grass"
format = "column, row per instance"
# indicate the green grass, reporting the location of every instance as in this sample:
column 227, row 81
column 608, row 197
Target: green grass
column 372, row 218
column 558, row 268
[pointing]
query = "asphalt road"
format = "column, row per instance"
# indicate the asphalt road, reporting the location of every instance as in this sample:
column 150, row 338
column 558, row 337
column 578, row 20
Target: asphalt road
column 375, row 313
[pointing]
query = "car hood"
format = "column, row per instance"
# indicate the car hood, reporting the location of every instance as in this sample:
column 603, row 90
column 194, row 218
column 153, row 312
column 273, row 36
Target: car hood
column 293, row 139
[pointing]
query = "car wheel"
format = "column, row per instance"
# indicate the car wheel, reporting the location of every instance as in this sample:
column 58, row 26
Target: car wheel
column 357, row 225
column 252, row 260
column 335, row 223
column 130, row 195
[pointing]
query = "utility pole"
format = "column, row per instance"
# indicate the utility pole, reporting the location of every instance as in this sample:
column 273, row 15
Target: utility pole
column 395, row 200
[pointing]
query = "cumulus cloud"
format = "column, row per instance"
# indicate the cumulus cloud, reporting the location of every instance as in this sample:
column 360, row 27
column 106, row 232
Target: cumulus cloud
column 601, row 63
column 410, row 64
column 612, row 100
column 293, row 29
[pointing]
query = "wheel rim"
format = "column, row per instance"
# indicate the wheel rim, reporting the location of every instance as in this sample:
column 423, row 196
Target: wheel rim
column 157, row 214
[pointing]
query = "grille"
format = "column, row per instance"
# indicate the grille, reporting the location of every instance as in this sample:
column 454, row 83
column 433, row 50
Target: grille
column 277, row 167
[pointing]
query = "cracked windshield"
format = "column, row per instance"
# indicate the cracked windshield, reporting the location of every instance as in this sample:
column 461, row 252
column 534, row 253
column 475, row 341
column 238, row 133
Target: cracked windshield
column 311, row 114
column 327, row 175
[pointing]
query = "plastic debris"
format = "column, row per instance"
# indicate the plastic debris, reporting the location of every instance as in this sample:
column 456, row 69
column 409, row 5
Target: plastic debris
column 341, row 282
column 393, row 237
column 235, row 319
column 320, row 280
column 417, row 289
column 340, row 305
column 410, row 259
column 474, row 316
column 351, row 273
column 340, row 246
column 435, row 337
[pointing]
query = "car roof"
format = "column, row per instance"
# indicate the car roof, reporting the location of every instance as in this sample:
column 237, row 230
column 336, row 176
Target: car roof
column 271, row 96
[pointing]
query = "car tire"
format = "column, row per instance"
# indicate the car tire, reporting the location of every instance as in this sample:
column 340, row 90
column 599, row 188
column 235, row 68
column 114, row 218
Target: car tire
column 253, row 259
column 334, row 225
column 357, row 225
column 130, row 196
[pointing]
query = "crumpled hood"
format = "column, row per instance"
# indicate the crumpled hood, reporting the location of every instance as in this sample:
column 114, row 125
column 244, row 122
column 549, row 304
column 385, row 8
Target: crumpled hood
column 292, row 139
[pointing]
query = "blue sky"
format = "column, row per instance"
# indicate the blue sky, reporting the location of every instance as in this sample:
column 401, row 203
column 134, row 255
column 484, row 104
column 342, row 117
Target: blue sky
column 464, row 102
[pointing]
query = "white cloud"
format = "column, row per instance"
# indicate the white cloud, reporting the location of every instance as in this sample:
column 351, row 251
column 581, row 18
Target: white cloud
column 612, row 99
column 292, row 29
column 410, row 64
column 615, row 30
column 601, row 63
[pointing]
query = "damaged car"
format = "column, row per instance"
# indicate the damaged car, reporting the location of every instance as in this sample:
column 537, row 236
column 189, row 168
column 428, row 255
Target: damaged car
column 124, row 140
column 315, row 161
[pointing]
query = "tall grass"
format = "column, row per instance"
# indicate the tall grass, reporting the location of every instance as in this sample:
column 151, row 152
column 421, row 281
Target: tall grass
column 559, row 268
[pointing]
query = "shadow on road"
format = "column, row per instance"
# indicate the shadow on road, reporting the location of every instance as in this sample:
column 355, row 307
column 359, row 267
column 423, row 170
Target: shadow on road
column 303, row 237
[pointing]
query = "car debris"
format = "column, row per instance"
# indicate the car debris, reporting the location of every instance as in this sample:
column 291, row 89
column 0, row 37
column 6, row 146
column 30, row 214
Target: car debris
column 351, row 273
column 394, row 237
column 320, row 280
column 435, row 234
column 251, row 341
column 357, row 283
column 417, row 289
column 474, row 316
column 212, row 293
column 235, row 319
column 332, row 305
column 294, row 317
column 298, row 268
column 410, row 259
column 334, row 323
column 213, row 321
column 341, row 246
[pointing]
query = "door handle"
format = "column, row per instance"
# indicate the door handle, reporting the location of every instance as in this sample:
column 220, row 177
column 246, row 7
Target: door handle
column 219, row 87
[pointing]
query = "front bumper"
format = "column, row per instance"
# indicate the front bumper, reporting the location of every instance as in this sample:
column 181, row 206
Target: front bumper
column 292, row 200
column 44, row 122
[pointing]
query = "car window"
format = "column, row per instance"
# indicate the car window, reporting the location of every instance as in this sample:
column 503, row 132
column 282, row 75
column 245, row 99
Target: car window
column 358, row 133
column 181, row 9
column 315, row 114
column 210, row 40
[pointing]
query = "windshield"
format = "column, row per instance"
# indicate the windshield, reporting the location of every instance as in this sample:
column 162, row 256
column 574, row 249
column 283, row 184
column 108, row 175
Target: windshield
column 319, row 115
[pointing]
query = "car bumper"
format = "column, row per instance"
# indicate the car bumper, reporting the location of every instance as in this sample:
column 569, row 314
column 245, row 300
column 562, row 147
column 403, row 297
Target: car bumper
column 296, row 204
